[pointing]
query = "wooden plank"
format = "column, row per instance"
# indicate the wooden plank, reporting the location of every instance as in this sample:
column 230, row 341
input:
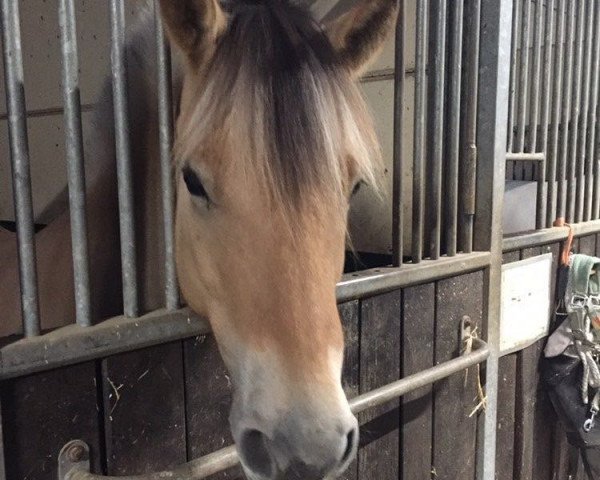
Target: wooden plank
column 507, row 371
column 454, row 444
column 208, row 401
column 561, row 453
column 509, row 257
column 531, row 252
column 379, row 365
column 350, row 316
column 42, row 412
column 598, row 245
column 587, row 245
column 144, row 411
column 2, row 458
column 418, row 326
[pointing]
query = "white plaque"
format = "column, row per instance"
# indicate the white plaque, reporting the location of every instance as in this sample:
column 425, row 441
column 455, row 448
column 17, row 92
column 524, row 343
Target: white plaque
column 525, row 315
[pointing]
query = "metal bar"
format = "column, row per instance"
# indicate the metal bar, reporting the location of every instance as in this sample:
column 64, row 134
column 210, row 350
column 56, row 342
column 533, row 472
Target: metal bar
column 549, row 235
column 540, row 170
column 126, row 218
column 553, row 151
column 470, row 99
column 573, row 180
column 2, row 455
column 454, row 128
column 534, row 97
column 165, row 123
column 523, row 78
column 19, row 156
column 564, row 140
column 526, row 157
column 516, row 34
column 541, row 218
column 494, row 68
column 69, row 345
column 420, row 126
column 439, row 61
column 585, row 106
column 399, row 96
column 593, row 178
column 75, row 163
column 227, row 457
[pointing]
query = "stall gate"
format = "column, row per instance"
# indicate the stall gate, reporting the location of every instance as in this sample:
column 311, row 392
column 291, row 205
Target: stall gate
column 146, row 392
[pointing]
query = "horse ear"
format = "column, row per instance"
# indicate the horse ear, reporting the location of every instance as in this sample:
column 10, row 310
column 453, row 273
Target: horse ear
column 194, row 26
column 358, row 34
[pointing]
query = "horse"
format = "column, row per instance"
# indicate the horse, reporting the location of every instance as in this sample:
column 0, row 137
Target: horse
column 272, row 137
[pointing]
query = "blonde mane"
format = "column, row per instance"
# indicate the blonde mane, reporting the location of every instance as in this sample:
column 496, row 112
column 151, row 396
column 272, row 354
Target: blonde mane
column 292, row 115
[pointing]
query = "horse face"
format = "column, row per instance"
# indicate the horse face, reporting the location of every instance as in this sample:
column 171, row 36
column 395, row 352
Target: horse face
column 265, row 167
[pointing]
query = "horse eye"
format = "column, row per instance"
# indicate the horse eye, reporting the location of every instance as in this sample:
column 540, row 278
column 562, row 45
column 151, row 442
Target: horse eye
column 193, row 183
column 356, row 188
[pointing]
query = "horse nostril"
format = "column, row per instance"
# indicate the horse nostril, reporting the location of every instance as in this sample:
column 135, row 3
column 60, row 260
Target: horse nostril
column 254, row 451
column 351, row 441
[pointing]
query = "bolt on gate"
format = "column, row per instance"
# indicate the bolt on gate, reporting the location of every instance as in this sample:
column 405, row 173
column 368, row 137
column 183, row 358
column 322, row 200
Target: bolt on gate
column 457, row 163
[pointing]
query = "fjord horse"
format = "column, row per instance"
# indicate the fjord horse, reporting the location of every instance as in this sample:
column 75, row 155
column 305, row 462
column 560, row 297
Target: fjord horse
column 272, row 136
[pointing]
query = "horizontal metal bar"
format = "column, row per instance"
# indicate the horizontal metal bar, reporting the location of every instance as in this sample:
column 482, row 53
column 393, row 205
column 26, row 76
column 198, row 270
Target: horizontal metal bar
column 72, row 344
column 380, row 280
column 227, row 457
column 526, row 157
column 549, row 235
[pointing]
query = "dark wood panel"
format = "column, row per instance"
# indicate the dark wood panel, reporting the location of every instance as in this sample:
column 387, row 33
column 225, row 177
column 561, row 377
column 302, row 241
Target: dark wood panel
column 380, row 364
column 350, row 316
column 454, row 444
column 598, row 245
column 531, row 252
column 507, row 370
column 560, row 453
column 509, row 257
column 587, row 245
column 144, row 411
column 418, row 327
column 2, row 457
column 44, row 411
column 208, row 401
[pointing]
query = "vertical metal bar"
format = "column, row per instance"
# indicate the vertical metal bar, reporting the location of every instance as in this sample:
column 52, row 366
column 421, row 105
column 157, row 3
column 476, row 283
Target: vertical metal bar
column 516, row 33
column 539, row 168
column 469, row 170
column 126, row 219
column 2, row 455
column 585, row 105
column 420, row 124
column 75, row 164
column 491, row 140
column 19, row 155
column 593, row 196
column 523, row 78
column 439, row 61
column 572, row 182
column 399, row 90
column 454, row 126
column 165, row 122
column 553, row 151
column 566, row 114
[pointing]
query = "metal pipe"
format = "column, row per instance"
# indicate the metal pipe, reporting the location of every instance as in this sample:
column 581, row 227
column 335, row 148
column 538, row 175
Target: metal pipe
column 534, row 108
column 454, row 128
column 549, row 235
column 549, row 172
column 573, row 180
column 19, row 156
column 227, row 457
column 526, row 157
column 470, row 99
column 585, row 106
column 126, row 215
column 420, row 126
column 553, row 151
column 566, row 108
column 71, row 344
column 165, row 125
column 75, row 163
column 593, row 178
column 439, row 60
column 516, row 34
column 398, row 160
column 523, row 78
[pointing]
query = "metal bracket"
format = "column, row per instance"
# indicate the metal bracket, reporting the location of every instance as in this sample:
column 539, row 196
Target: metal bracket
column 73, row 457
